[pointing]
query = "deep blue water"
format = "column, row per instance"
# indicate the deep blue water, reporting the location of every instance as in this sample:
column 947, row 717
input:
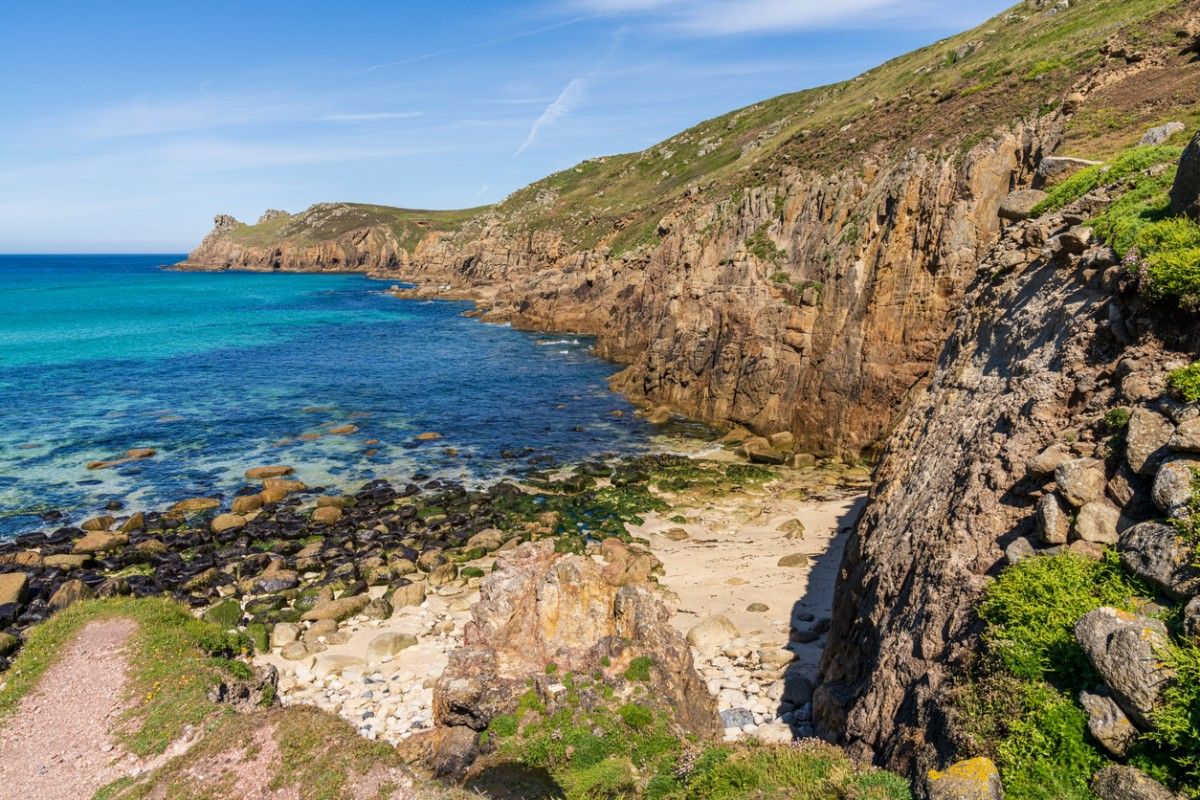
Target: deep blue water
column 220, row 372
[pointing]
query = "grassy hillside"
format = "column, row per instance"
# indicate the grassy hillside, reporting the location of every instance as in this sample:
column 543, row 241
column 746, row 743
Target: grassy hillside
column 326, row 221
column 949, row 96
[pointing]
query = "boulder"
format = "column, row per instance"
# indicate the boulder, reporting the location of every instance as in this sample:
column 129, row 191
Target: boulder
column 1191, row 620
column 247, row 504
column 335, row 664
column 973, row 779
column 270, row 471
column 1097, row 523
column 1053, row 168
column 1108, row 723
column 1121, row 782
column 712, row 634
column 1125, row 650
column 410, row 593
column 1186, row 438
column 65, row 561
column 97, row 524
column 388, row 645
column 284, row 633
column 1146, row 440
column 227, row 522
column 99, row 542
column 489, row 540
column 196, row 505
column 1185, row 193
column 540, row 608
column 784, row 440
column 136, row 522
column 791, row 529
column 1155, row 553
column 1045, row 462
column 326, row 515
column 337, row 610
column 1053, row 522
column 1161, row 133
column 70, row 592
column 294, row 651
column 1173, row 484
column 1080, row 480
column 794, row 560
column 13, row 587
column 1019, row 205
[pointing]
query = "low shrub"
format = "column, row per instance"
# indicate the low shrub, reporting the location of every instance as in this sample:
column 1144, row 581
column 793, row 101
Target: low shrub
column 1124, row 166
column 1185, row 382
column 1047, row 754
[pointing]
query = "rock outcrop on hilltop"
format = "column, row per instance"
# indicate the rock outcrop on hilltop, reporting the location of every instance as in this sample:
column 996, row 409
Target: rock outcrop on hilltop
column 1007, row 454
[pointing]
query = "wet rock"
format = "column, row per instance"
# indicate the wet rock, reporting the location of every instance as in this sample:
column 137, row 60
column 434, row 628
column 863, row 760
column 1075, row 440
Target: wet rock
column 227, row 522
column 247, row 504
column 1120, row 782
column 270, row 471
column 98, row 523
column 1155, row 553
column 428, row 436
column 136, row 522
column 1126, row 650
column 196, row 505
column 973, row 779
column 65, row 561
column 379, row 608
column 1146, row 440
column 1173, row 483
column 1053, row 524
column 326, row 515
column 1080, row 480
column 1108, row 723
column 1097, row 523
column 99, row 542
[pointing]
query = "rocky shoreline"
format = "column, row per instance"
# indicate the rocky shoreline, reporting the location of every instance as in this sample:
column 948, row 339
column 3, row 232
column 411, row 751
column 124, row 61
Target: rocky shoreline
column 357, row 602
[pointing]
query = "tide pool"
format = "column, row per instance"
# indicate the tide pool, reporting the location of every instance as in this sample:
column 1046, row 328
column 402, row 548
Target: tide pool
column 223, row 371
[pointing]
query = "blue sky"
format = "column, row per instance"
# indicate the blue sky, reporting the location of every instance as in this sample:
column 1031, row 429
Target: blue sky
column 127, row 125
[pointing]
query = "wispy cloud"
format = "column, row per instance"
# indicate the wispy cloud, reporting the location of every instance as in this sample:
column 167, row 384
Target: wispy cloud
column 371, row 117
column 562, row 105
column 732, row 17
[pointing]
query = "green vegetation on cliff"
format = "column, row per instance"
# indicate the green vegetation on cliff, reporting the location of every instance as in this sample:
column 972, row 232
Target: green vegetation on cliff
column 944, row 98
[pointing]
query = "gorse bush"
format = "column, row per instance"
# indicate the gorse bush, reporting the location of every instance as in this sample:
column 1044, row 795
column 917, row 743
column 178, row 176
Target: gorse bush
column 1046, row 754
column 1124, row 166
column 1032, row 608
column 1185, row 382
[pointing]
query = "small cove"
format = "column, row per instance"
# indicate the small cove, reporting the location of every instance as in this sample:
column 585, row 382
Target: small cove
column 219, row 372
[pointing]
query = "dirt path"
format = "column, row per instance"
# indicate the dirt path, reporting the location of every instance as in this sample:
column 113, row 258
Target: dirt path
column 59, row 744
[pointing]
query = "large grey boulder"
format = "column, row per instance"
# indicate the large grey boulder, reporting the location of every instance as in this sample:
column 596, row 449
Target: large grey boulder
column 1081, row 480
column 1155, row 553
column 1108, row 723
column 1146, row 440
column 1120, row 782
column 1185, row 194
column 1124, row 649
column 1173, row 483
column 1187, row 437
column 1160, row 133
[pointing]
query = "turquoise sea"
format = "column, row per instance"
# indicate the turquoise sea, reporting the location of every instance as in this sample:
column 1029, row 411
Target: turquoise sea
column 220, row 372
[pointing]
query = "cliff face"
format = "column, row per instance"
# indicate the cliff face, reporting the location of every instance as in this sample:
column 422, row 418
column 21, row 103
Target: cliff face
column 811, row 304
column 1052, row 334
